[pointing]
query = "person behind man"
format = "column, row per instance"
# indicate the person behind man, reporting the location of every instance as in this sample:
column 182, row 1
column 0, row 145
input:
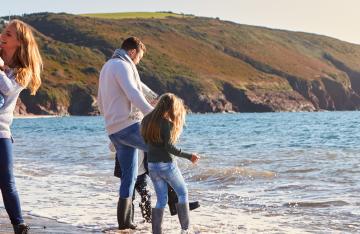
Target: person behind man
column 122, row 102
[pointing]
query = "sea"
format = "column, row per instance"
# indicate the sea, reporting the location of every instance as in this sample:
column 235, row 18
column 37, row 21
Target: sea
column 258, row 172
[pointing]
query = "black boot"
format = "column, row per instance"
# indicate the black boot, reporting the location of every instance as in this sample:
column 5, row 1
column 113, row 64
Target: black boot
column 183, row 214
column 194, row 205
column 124, row 214
column 157, row 219
column 173, row 199
column 132, row 213
column 21, row 228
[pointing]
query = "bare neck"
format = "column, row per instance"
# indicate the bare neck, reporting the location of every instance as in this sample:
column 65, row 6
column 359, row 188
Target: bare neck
column 8, row 56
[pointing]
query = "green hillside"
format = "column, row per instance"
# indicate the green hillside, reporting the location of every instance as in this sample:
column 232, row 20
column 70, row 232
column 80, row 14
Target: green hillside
column 213, row 65
column 134, row 15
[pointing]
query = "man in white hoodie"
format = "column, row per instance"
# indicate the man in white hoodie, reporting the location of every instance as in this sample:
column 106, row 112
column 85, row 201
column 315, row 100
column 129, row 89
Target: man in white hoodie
column 122, row 101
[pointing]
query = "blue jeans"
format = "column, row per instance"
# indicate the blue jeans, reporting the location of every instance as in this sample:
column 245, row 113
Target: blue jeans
column 7, row 182
column 161, row 175
column 126, row 143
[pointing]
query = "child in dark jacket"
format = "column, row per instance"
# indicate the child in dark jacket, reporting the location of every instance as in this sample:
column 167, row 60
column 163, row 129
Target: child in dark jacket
column 141, row 187
column 160, row 129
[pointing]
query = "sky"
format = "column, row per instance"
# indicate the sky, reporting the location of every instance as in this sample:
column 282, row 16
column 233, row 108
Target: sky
column 335, row 18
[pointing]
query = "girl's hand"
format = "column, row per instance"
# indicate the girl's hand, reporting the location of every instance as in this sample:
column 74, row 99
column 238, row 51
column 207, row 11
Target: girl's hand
column 194, row 158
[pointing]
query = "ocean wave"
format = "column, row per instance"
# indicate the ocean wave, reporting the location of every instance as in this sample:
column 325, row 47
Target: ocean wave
column 323, row 204
column 291, row 187
column 305, row 170
column 231, row 174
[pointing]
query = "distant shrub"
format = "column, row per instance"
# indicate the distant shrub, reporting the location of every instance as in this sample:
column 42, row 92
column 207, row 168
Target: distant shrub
column 89, row 70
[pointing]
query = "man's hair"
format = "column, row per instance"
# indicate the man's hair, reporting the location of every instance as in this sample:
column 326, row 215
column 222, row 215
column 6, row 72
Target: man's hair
column 133, row 43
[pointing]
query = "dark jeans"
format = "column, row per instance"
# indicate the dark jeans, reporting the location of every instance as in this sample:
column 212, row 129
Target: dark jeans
column 126, row 143
column 7, row 182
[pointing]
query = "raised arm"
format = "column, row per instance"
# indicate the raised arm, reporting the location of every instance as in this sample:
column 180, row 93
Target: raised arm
column 150, row 95
column 124, row 76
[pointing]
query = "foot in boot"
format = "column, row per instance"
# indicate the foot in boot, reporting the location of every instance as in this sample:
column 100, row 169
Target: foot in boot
column 124, row 214
column 21, row 228
column 157, row 219
column 183, row 214
column 192, row 205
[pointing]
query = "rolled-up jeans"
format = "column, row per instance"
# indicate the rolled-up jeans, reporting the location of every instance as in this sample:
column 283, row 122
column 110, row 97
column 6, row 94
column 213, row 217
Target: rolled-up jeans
column 127, row 142
column 7, row 182
column 161, row 175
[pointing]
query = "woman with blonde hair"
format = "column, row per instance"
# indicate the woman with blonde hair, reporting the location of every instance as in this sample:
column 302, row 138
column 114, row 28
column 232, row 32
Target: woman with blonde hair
column 20, row 67
column 160, row 129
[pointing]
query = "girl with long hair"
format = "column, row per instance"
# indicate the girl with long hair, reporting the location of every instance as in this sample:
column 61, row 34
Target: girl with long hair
column 20, row 68
column 161, row 129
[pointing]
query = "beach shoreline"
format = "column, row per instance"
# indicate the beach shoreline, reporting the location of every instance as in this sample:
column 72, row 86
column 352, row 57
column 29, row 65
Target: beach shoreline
column 35, row 116
column 40, row 225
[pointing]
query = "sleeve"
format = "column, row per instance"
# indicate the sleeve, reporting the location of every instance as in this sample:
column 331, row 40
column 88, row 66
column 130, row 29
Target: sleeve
column 169, row 147
column 7, row 85
column 149, row 94
column 125, row 79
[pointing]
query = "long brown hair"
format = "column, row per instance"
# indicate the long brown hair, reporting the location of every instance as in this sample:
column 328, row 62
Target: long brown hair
column 27, row 60
column 169, row 107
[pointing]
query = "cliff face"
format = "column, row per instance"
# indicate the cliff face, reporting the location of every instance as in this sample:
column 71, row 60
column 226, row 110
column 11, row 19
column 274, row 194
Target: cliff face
column 215, row 66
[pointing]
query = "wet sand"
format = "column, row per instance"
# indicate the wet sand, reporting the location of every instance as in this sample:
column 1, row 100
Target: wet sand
column 204, row 220
column 40, row 225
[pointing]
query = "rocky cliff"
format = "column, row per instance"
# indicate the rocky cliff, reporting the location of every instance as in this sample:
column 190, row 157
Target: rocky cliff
column 214, row 65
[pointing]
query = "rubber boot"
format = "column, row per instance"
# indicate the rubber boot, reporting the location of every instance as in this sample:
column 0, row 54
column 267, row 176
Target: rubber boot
column 183, row 214
column 157, row 219
column 21, row 228
column 124, row 214
column 173, row 199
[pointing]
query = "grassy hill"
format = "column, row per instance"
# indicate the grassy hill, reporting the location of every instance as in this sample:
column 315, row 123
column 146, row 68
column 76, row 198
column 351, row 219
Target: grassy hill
column 135, row 15
column 213, row 65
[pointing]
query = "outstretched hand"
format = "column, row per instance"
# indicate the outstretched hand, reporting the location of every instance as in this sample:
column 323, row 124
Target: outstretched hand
column 195, row 158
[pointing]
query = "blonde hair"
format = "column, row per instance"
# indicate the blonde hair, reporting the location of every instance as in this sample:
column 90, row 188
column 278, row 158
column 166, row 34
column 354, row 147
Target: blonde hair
column 169, row 107
column 27, row 60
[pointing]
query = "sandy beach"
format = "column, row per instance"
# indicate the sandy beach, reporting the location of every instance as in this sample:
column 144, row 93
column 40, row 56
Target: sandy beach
column 202, row 222
column 39, row 225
